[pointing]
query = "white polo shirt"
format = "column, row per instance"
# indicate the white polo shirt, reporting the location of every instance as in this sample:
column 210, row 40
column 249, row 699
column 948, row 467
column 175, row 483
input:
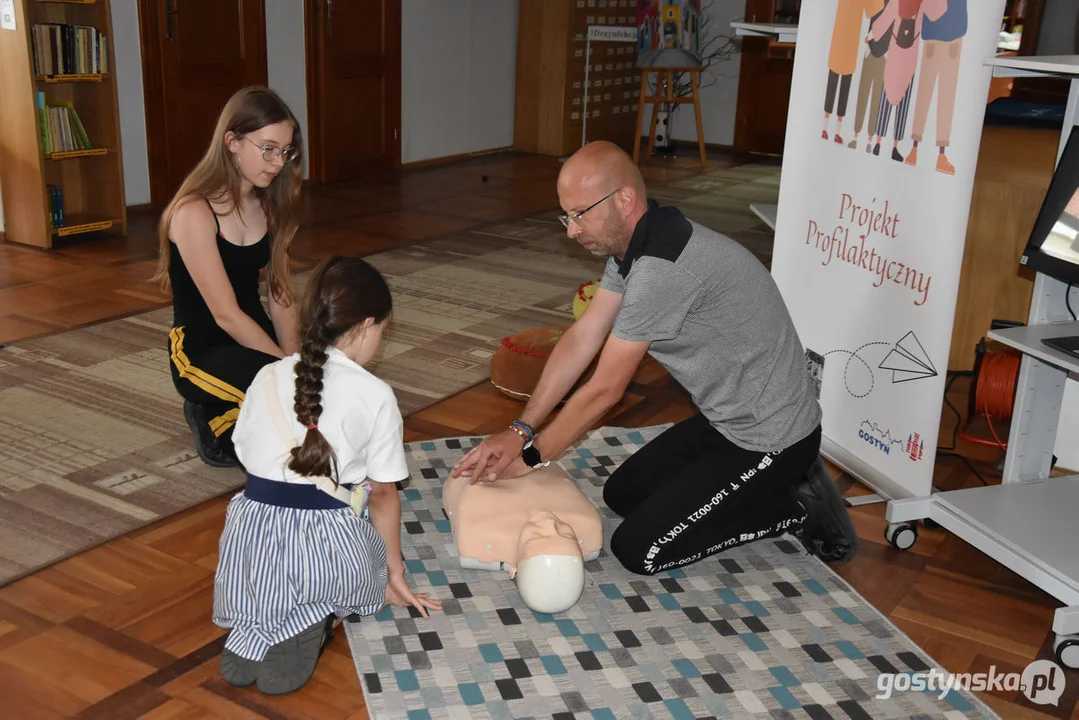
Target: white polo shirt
column 360, row 419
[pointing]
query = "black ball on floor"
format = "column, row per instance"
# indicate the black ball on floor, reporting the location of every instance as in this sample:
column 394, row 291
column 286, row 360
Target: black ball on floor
column 483, row 178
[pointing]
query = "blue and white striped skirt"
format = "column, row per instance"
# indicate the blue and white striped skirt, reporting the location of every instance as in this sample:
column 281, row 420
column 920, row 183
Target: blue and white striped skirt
column 282, row 568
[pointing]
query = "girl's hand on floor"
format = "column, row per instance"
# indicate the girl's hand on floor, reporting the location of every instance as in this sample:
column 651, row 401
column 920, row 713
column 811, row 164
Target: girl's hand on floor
column 398, row 593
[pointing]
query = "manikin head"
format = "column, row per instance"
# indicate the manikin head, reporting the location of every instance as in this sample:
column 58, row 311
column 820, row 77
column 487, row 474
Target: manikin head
column 603, row 197
column 550, row 569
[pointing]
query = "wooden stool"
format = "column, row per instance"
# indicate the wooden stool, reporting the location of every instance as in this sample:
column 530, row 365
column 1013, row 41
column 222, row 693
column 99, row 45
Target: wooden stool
column 668, row 97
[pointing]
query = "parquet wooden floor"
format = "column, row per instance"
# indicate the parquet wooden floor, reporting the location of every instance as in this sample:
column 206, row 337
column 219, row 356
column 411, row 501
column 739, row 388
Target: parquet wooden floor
column 123, row 630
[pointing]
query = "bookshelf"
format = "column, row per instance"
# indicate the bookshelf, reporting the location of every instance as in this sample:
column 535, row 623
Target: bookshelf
column 61, row 165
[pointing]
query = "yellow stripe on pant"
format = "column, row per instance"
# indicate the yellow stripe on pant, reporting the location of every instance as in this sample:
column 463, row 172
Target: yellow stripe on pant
column 223, row 422
column 205, row 381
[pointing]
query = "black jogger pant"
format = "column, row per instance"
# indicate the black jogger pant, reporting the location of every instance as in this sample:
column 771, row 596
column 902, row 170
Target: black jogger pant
column 214, row 375
column 691, row 493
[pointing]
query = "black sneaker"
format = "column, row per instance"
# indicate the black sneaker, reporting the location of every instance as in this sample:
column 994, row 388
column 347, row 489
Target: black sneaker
column 212, row 451
column 828, row 532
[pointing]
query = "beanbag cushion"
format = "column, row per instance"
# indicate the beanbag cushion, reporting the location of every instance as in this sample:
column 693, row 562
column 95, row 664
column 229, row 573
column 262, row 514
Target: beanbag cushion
column 518, row 363
column 583, row 296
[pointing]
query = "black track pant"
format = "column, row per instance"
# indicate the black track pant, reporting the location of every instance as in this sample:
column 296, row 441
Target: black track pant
column 691, row 493
column 215, row 376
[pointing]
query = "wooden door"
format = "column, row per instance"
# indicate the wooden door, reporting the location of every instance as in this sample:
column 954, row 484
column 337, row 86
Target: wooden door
column 353, row 88
column 764, row 86
column 195, row 55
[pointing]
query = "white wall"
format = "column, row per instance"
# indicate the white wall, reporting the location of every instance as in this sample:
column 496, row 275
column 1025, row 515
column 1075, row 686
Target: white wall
column 457, row 78
column 459, row 64
column 286, row 61
column 128, row 51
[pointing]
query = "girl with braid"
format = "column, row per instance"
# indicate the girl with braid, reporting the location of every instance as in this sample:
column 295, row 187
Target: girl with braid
column 316, row 533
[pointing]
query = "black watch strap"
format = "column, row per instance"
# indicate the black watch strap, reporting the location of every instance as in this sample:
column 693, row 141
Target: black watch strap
column 531, row 456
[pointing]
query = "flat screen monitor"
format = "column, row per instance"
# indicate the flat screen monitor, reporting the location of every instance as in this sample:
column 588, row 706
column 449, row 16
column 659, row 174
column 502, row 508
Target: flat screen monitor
column 1053, row 247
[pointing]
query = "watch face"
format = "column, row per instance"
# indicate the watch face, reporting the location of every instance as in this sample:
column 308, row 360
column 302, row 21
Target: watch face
column 531, row 456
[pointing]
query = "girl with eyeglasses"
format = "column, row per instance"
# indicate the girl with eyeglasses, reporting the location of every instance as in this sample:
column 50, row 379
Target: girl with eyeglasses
column 234, row 216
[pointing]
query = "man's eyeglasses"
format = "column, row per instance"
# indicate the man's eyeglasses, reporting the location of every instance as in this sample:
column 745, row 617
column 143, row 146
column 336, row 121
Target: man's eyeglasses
column 270, row 153
column 575, row 217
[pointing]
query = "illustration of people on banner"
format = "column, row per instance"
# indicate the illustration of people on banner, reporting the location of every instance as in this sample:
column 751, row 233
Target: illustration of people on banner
column 873, row 215
column 942, row 40
column 843, row 57
column 901, row 33
column 871, row 87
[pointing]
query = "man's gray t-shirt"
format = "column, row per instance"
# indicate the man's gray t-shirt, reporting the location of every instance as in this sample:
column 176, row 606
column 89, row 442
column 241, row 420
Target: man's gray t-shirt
column 717, row 322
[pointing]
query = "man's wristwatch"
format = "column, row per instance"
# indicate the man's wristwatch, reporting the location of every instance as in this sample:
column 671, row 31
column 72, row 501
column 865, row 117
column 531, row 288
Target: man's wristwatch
column 531, row 456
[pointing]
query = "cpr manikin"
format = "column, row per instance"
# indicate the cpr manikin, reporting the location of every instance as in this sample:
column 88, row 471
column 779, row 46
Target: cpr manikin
column 539, row 527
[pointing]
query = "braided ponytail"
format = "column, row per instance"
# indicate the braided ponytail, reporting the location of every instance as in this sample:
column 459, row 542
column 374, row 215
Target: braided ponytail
column 342, row 294
column 314, row 456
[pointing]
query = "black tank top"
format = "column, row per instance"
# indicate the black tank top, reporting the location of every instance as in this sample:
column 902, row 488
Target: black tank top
column 242, row 265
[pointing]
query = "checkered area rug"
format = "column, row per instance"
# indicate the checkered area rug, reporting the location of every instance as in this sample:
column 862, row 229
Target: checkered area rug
column 763, row 630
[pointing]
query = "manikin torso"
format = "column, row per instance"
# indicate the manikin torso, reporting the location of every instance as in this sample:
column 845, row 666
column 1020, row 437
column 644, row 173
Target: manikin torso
column 497, row 525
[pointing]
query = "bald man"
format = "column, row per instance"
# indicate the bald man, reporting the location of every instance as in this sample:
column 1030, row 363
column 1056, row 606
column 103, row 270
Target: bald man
column 708, row 311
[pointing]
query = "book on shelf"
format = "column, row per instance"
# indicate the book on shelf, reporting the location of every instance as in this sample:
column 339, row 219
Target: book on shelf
column 56, row 205
column 69, row 50
column 60, row 126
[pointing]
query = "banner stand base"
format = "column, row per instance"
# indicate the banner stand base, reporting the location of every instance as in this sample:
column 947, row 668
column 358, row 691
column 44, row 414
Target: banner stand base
column 884, row 487
column 767, row 214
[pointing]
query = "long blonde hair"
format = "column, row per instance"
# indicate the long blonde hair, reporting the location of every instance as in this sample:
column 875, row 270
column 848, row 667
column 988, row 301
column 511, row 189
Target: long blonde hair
column 216, row 178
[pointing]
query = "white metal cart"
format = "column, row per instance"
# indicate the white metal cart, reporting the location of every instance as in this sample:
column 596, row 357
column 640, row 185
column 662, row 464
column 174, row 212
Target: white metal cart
column 1030, row 522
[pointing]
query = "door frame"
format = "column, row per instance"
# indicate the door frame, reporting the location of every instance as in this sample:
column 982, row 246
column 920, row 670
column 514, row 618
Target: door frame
column 150, row 16
column 312, row 22
column 153, row 91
